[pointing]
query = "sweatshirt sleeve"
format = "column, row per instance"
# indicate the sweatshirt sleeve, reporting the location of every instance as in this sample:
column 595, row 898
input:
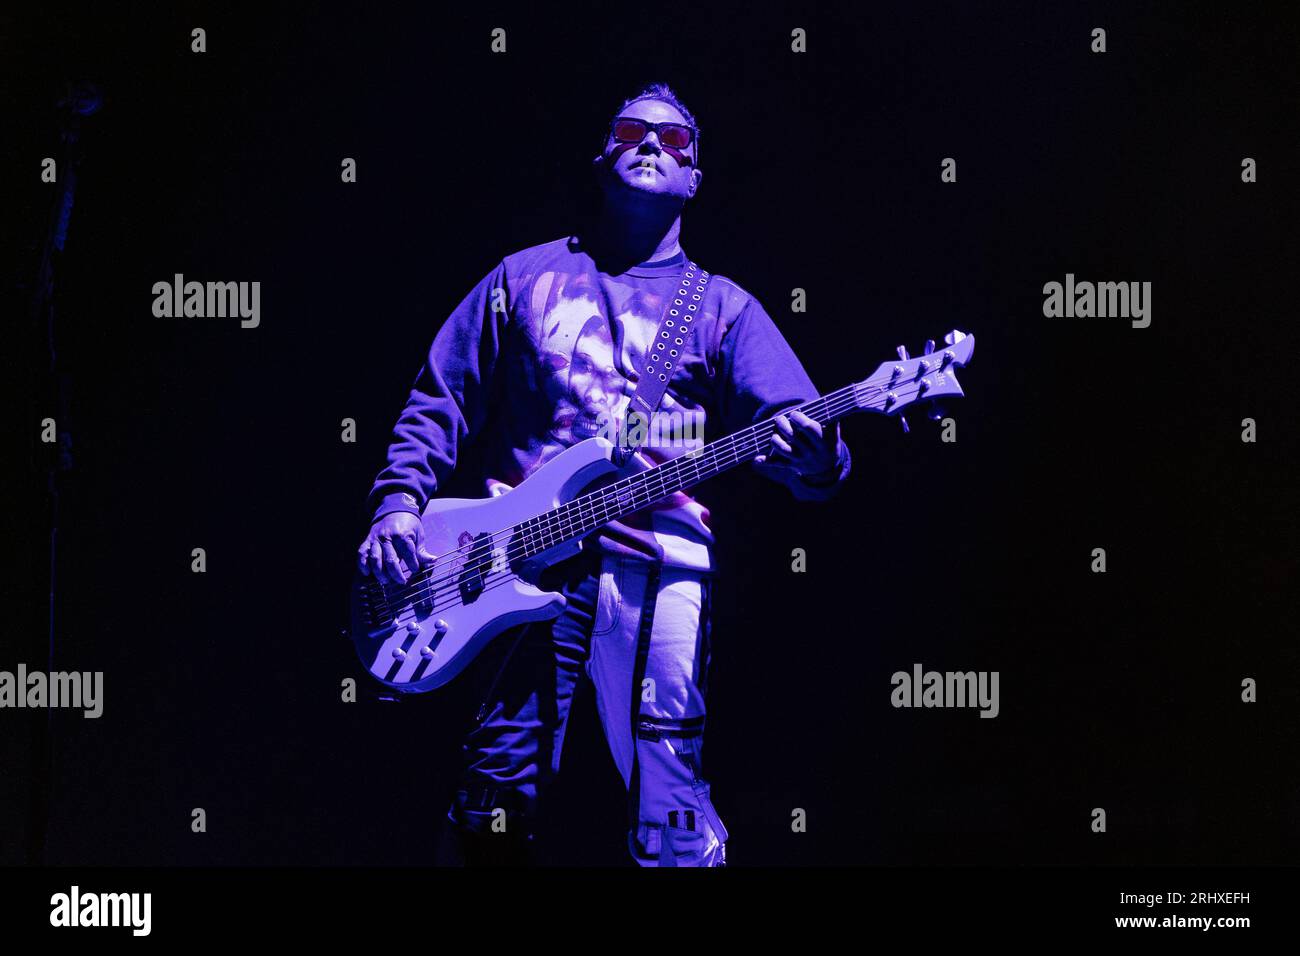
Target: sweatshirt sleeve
column 448, row 402
column 761, row 376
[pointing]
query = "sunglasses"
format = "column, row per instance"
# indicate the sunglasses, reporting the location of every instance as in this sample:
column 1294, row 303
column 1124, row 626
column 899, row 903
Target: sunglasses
column 627, row 129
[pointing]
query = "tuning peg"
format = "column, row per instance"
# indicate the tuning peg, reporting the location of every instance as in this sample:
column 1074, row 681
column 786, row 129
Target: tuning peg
column 953, row 337
column 929, row 346
column 903, row 419
column 902, row 353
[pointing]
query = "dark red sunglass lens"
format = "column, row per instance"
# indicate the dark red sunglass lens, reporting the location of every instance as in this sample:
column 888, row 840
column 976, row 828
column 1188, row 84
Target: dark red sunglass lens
column 629, row 131
column 678, row 137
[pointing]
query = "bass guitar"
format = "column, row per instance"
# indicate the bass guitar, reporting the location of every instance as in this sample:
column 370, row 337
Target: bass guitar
column 491, row 552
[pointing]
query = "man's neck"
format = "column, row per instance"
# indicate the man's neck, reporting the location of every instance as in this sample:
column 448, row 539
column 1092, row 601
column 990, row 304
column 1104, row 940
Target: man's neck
column 639, row 234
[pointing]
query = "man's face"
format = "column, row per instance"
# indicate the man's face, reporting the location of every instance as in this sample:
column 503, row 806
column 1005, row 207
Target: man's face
column 646, row 167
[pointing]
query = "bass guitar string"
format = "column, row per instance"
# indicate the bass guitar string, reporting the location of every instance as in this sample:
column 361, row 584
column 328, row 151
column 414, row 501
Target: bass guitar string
column 555, row 522
column 559, row 528
column 599, row 507
column 603, row 506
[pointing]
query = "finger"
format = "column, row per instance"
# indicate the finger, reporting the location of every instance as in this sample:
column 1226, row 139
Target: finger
column 375, row 559
column 783, row 426
column 806, row 424
column 392, row 567
column 808, row 443
column 781, row 445
column 422, row 553
column 363, row 557
column 392, row 563
column 405, row 544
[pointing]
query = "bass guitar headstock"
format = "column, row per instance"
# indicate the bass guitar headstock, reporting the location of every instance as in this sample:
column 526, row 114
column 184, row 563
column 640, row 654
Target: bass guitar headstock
column 932, row 375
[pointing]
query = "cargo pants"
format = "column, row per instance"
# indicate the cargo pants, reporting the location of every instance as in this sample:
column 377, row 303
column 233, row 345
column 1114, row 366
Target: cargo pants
column 639, row 631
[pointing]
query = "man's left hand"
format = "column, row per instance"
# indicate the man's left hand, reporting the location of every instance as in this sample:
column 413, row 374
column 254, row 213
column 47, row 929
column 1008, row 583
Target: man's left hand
column 801, row 448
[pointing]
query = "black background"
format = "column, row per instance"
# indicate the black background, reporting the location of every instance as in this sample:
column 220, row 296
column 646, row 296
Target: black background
column 1118, row 690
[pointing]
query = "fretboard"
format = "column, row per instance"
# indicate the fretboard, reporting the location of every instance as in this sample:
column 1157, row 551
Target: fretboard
column 612, row 502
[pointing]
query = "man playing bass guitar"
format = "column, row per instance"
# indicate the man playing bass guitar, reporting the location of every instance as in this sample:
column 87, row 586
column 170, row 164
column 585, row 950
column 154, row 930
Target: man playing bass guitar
column 545, row 352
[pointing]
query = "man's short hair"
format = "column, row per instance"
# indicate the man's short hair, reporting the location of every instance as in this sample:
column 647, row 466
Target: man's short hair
column 665, row 94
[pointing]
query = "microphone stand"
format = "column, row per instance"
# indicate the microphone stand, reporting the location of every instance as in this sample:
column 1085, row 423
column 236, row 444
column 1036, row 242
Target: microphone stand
column 79, row 101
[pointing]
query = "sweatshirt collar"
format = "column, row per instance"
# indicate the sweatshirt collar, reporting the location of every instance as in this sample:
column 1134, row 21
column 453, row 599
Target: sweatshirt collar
column 663, row 267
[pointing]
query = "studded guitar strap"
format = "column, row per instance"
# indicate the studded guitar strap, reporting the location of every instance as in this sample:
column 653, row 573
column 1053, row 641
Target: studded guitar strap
column 664, row 354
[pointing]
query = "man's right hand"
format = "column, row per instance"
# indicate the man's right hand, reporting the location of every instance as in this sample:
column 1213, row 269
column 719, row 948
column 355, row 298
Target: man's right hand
column 397, row 534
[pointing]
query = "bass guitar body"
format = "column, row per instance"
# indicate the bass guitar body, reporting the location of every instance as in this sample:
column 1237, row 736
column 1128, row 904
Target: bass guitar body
column 418, row 636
